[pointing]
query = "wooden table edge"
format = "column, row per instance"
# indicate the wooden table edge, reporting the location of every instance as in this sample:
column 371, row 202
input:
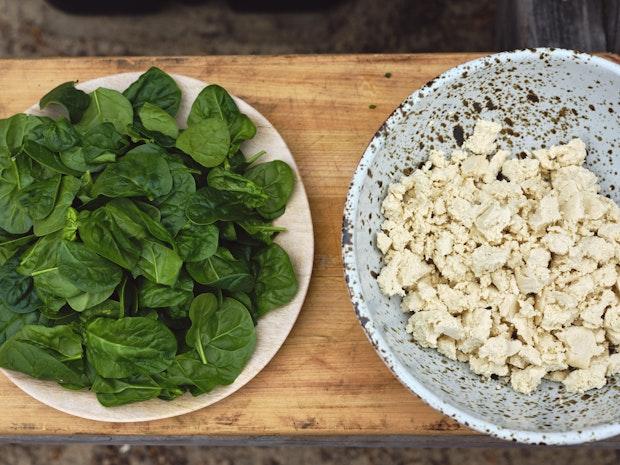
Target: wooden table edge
column 357, row 441
column 295, row 56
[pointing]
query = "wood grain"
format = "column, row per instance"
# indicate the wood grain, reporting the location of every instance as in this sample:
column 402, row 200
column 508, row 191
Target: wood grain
column 587, row 25
column 326, row 380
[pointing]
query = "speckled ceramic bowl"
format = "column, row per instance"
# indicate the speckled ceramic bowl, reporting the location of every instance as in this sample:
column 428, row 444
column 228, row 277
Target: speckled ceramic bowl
column 541, row 97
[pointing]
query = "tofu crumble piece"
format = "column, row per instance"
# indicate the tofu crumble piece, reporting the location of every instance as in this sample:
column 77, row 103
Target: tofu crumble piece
column 510, row 264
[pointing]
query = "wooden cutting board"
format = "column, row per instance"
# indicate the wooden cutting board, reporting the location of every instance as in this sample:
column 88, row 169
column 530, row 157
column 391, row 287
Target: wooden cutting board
column 326, row 381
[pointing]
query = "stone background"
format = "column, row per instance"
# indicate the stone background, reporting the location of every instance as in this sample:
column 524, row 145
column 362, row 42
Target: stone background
column 33, row 28
column 175, row 455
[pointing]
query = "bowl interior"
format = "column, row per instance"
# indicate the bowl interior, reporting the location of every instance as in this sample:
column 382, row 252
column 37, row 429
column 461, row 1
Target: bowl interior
column 540, row 97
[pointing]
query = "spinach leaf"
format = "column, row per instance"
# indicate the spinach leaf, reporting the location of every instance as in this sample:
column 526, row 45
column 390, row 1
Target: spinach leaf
column 16, row 290
column 108, row 308
column 239, row 164
column 153, row 295
column 46, row 353
column 207, row 142
column 61, row 339
column 41, row 256
column 53, row 288
column 85, row 269
column 47, row 158
column 62, row 215
column 38, row 198
column 128, row 295
column 106, row 105
column 129, row 346
column 155, row 87
column 10, row 245
column 188, row 370
column 197, row 242
column 75, row 159
column 13, row 179
column 259, row 229
column 101, row 144
column 13, row 130
column 119, row 229
column 159, row 263
column 143, row 171
column 138, row 133
column 140, row 220
column 100, row 231
column 276, row 284
column 86, row 300
column 238, row 187
column 247, row 302
column 222, row 335
column 223, row 271
column 228, row 231
column 209, row 205
column 11, row 322
column 241, row 129
column 54, row 135
column 115, row 392
column 103, row 138
column 214, row 102
column 73, row 100
column 172, row 205
column 278, row 181
column 153, row 118
column 58, row 314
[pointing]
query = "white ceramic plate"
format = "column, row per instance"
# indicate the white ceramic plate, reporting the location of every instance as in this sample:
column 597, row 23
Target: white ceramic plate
column 543, row 96
column 272, row 329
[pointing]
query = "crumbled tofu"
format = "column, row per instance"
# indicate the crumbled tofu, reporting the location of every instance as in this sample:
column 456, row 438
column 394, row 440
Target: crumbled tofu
column 580, row 346
column 547, row 212
column 427, row 325
column 482, row 142
column 613, row 367
column 592, row 377
column 486, row 259
column 384, row 242
column 492, row 221
column 528, row 379
column 509, row 264
column 612, row 325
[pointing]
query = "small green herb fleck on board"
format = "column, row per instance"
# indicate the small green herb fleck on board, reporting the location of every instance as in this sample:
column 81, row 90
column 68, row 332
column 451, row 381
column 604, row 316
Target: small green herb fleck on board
column 136, row 256
column 372, row 106
column 388, row 75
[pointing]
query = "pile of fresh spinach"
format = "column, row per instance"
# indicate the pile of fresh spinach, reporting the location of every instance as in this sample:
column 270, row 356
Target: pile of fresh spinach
column 136, row 257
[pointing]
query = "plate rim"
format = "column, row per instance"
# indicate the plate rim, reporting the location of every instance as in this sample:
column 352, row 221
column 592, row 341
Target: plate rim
column 28, row 384
column 356, row 295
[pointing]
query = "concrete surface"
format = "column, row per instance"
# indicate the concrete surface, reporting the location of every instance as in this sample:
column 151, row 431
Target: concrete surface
column 124, row 455
column 33, row 28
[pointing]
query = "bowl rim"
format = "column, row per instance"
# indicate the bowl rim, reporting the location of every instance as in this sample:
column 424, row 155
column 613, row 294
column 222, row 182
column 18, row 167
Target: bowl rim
column 398, row 368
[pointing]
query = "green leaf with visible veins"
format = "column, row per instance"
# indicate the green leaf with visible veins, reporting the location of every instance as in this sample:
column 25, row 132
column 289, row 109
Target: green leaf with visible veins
column 155, row 87
column 129, row 346
column 143, row 171
column 107, row 105
column 222, row 334
column 73, row 100
column 207, row 142
column 155, row 119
